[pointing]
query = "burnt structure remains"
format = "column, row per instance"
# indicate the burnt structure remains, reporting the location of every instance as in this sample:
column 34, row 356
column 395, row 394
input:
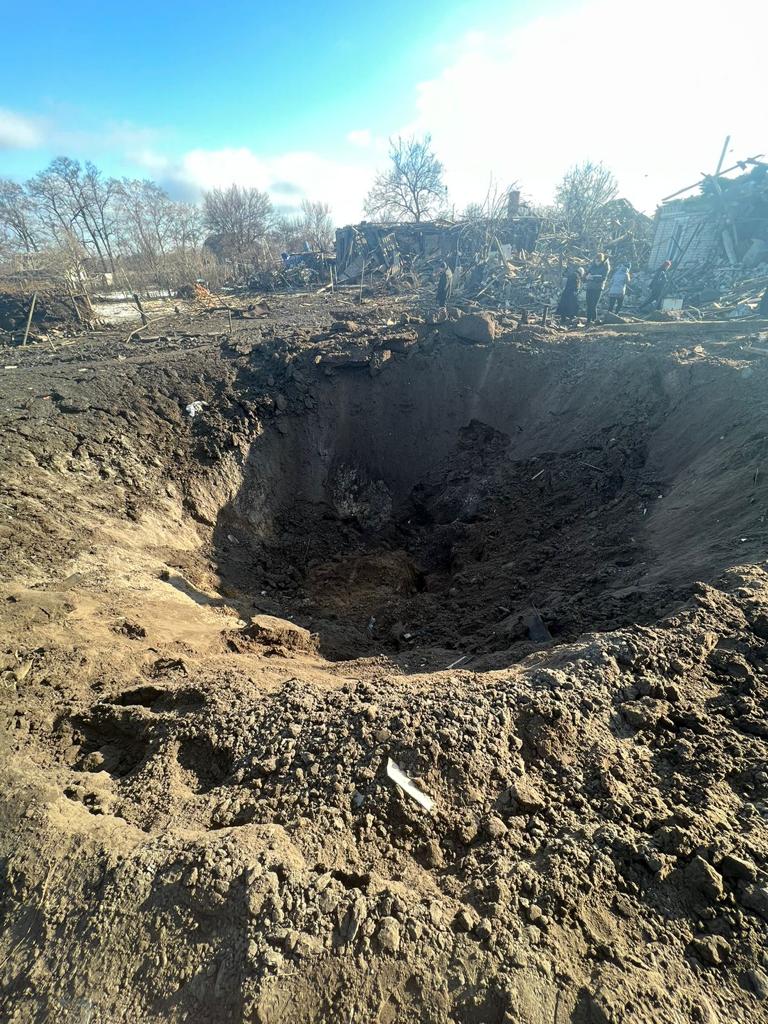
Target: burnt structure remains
column 393, row 248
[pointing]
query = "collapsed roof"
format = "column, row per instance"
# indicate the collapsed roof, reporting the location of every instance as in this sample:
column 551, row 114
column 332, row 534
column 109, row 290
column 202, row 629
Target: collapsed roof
column 726, row 223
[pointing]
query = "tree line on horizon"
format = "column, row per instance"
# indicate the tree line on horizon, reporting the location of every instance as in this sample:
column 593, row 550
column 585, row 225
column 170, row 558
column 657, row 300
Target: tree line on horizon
column 71, row 213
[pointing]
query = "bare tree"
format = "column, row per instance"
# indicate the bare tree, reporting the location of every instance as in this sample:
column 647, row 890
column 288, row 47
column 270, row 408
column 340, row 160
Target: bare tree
column 77, row 202
column 496, row 204
column 312, row 229
column 17, row 218
column 317, row 225
column 286, row 234
column 239, row 219
column 142, row 221
column 473, row 212
column 412, row 187
column 186, row 226
column 581, row 197
column 99, row 197
column 69, row 212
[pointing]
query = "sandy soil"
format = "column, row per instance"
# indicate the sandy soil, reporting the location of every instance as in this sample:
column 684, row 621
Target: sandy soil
column 531, row 572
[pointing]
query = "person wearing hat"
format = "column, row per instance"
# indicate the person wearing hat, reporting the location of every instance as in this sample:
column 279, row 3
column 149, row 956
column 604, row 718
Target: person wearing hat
column 658, row 286
column 597, row 275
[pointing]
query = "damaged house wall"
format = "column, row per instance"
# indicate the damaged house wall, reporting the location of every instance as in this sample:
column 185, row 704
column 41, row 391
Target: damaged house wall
column 685, row 235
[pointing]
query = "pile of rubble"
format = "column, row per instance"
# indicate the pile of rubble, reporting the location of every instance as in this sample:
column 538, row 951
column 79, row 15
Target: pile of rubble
column 296, row 270
column 722, row 290
column 407, row 256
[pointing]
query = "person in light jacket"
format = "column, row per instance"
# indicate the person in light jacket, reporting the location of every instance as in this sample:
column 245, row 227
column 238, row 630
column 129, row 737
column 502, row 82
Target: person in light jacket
column 617, row 289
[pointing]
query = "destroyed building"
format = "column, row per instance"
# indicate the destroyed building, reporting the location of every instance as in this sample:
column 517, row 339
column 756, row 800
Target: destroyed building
column 389, row 248
column 726, row 223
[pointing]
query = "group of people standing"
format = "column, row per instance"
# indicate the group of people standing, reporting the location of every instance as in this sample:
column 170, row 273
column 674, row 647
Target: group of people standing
column 594, row 280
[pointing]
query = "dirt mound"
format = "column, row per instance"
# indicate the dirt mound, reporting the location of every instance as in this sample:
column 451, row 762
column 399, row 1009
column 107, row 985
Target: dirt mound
column 528, row 573
column 14, row 311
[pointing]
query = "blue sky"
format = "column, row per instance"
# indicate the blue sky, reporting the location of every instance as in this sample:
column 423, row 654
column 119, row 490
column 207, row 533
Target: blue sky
column 300, row 98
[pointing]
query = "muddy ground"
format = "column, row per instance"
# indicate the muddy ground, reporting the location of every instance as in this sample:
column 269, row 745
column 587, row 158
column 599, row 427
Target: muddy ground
column 530, row 571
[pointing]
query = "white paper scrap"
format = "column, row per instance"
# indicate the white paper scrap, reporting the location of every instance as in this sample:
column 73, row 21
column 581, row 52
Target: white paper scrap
column 405, row 783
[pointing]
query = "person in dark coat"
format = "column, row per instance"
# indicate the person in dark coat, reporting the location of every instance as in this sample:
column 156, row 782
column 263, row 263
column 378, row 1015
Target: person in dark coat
column 597, row 275
column 444, row 285
column 476, row 276
column 568, row 306
column 658, row 286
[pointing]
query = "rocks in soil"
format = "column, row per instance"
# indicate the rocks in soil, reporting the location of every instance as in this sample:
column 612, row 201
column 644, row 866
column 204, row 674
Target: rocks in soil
column 755, row 897
column 758, row 980
column 479, row 328
column 524, row 797
column 388, row 935
column 272, row 631
column 738, row 868
column 466, row 919
column 712, row 949
column 703, row 877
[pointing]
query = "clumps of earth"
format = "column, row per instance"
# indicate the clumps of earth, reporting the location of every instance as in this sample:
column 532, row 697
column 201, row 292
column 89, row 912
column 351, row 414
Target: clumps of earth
column 504, row 566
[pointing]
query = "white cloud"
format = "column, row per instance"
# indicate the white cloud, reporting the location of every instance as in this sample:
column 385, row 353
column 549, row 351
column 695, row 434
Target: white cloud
column 361, row 138
column 18, row 132
column 288, row 177
column 651, row 91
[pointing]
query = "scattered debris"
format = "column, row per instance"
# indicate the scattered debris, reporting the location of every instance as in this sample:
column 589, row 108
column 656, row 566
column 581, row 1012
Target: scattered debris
column 409, row 787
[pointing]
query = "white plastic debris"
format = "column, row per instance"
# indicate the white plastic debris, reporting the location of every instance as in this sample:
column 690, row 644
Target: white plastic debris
column 194, row 408
column 405, row 784
column 457, row 662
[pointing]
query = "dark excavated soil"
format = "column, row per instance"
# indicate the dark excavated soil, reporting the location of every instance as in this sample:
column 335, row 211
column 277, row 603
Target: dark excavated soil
column 532, row 573
column 484, row 557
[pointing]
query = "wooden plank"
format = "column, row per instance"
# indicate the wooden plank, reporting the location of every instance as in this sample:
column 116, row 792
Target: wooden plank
column 29, row 317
